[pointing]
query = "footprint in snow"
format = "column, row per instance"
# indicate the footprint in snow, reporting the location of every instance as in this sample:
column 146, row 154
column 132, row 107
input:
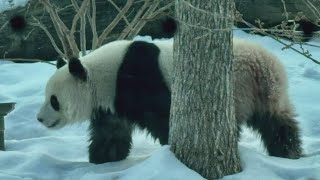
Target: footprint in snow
column 311, row 73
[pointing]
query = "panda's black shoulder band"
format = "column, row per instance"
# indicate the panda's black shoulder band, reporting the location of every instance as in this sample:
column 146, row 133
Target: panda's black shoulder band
column 77, row 69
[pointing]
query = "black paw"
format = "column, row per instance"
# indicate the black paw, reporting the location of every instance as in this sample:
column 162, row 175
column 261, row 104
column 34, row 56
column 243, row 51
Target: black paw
column 114, row 151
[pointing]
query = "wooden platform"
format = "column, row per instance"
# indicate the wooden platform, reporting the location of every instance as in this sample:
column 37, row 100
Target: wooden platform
column 5, row 108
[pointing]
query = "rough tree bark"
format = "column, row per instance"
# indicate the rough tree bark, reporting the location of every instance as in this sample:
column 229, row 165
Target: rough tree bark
column 203, row 130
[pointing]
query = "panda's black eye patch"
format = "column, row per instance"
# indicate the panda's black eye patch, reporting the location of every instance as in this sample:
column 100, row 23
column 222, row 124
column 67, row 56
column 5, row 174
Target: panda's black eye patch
column 54, row 102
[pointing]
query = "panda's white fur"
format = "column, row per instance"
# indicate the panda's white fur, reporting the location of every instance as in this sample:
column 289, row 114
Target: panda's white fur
column 260, row 90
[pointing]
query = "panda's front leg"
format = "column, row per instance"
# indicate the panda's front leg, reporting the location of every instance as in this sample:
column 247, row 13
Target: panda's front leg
column 110, row 137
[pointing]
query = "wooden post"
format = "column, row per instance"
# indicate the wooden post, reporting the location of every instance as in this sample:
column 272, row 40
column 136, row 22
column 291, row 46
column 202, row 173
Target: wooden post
column 5, row 108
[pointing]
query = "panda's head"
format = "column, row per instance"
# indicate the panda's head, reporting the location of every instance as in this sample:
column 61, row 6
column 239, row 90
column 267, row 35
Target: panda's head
column 67, row 96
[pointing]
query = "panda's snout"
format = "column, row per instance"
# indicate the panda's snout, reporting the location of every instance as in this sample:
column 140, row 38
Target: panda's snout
column 48, row 117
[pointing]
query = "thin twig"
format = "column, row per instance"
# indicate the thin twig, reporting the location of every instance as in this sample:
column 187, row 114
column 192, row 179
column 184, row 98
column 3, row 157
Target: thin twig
column 28, row 35
column 44, row 28
column 64, row 8
column 71, row 48
column 94, row 25
column 135, row 20
column 142, row 21
column 80, row 13
column 119, row 10
column 76, row 7
column 83, row 35
column 312, row 7
column 82, row 25
column 57, row 28
column 114, row 22
column 286, row 46
column 286, row 14
column 4, row 25
column 160, row 10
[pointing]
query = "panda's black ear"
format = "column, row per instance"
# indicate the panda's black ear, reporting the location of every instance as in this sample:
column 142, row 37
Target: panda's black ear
column 77, row 69
column 60, row 62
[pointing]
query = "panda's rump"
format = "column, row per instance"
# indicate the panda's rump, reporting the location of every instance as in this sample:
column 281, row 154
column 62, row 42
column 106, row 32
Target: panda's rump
column 260, row 82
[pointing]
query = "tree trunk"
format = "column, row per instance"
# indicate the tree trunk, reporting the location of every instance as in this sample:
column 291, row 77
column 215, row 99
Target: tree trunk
column 203, row 129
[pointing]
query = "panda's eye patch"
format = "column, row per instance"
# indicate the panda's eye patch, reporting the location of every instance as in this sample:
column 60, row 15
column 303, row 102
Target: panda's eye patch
column 54, row 102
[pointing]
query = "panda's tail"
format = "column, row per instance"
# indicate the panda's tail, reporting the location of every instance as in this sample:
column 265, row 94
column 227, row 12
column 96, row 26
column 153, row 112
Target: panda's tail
column 169, row 26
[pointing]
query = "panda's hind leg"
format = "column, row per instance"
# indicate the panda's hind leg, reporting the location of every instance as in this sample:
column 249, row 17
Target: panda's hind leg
column 110, row 137
column 279, row 133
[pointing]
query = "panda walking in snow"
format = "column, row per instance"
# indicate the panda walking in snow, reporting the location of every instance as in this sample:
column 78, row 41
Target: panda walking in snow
column 127, row 83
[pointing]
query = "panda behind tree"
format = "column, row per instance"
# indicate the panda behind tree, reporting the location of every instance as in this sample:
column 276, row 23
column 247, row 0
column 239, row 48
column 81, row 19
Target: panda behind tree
column 124, row 84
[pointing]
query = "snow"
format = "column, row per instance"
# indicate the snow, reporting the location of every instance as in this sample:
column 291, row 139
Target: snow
column 34, row 152
column 7, row 5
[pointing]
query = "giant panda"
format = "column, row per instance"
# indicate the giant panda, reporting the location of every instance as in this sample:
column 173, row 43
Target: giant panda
column 128, row 83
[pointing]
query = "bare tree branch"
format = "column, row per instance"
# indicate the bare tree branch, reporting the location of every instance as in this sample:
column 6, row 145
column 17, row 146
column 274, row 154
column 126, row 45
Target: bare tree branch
column 58, row 30
column 286, row 14
column 119, row 10
column 67, row 38
column 4, row 25
column 312, row 7
column 87, row 10
column 60, row 27
column 143, row 21
column 64, row 8
column 75, row 5
column 159, row 11
column 39, row 24
column 114, row 22
column 135, row 20
column 83, row 35
column 80, row 13
column 95, row 37
column 286, row 46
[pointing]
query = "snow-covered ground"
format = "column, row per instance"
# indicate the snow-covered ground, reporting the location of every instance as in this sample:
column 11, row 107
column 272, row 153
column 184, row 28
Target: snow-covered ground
column 7, row 4
column 34, row 152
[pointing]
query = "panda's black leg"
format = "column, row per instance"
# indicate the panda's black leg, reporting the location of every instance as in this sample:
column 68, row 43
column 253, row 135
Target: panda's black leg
column 279, row 133
column 110, row 137
column 159, row 128
column 162, row 135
